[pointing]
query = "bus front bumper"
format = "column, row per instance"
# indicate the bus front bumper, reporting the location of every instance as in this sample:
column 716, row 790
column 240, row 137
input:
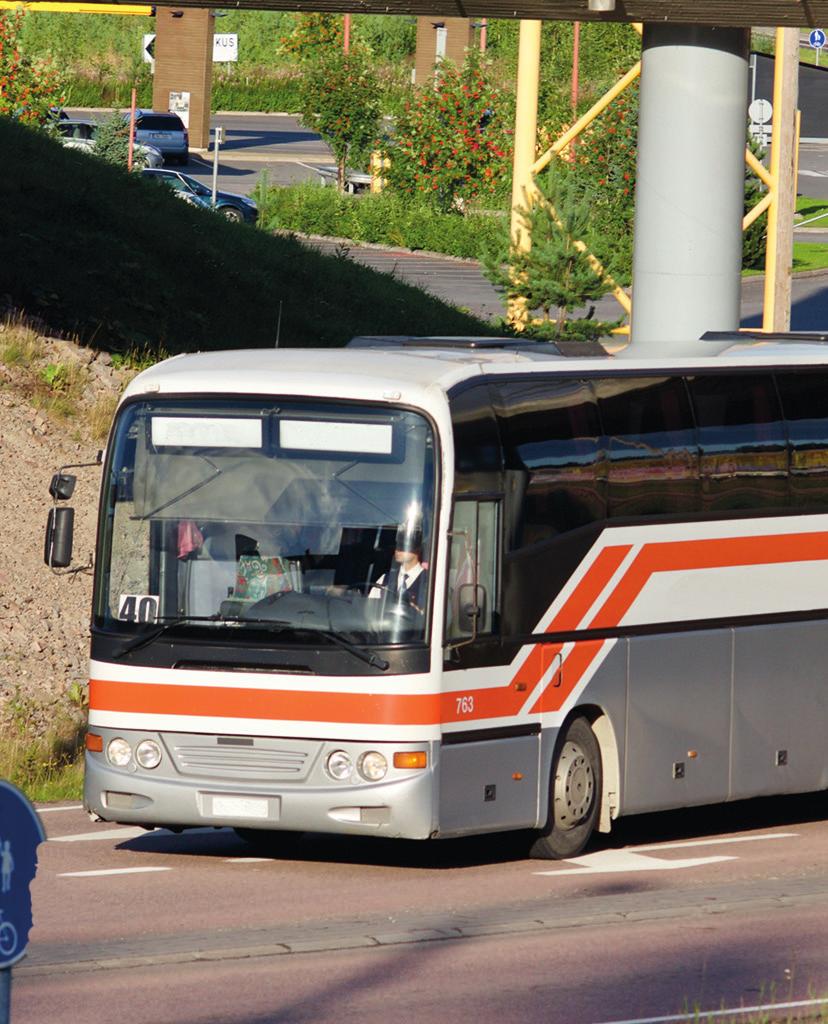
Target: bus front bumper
column 403, row 805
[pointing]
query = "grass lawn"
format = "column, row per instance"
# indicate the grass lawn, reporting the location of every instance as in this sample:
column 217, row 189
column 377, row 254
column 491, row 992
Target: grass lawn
column 117, row 261
column 807, row 255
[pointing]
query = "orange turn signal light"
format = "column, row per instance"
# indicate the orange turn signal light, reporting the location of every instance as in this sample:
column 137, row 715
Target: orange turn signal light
column 94, row 742
column 411, row 759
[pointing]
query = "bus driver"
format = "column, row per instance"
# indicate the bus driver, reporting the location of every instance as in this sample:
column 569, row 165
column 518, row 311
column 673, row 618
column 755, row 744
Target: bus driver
column 408, row 576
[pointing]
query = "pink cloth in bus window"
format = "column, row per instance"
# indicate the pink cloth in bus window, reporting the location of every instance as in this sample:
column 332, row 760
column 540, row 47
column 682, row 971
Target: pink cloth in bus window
column 190, row 538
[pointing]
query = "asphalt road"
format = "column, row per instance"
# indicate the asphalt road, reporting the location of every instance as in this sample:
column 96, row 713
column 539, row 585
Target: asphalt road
column 702, row 908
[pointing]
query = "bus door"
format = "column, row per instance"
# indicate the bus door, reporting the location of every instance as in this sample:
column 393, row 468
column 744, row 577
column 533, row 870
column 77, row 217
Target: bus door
column 491, row 742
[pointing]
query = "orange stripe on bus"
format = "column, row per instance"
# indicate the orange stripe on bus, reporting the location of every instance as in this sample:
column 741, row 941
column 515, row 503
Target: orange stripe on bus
column 579, row 660
column 582, row 598
column 287, row 705
column 718, row 553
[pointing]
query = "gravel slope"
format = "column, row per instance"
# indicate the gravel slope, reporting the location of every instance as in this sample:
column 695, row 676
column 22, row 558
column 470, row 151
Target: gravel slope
column 44, row 614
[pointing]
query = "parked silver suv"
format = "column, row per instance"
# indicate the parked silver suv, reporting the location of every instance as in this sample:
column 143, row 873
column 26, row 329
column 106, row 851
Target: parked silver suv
column 165, row 131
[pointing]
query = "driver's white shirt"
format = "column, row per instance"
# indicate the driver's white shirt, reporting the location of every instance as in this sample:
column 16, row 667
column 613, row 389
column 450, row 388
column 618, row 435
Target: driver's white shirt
column 411, row 574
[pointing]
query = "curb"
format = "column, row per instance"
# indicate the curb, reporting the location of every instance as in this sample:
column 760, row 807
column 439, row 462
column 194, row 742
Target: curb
column 540, row 916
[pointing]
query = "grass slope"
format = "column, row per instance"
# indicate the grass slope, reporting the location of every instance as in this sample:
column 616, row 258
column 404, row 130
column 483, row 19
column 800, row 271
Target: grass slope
column 117, row 261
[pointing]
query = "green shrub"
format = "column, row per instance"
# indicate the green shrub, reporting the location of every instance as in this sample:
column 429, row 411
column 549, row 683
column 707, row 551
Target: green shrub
column 257, row 89
column 384, row 219
column 106, row 91
column 452, row 142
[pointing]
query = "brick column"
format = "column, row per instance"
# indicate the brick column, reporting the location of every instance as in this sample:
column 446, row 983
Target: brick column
column 184, row 63
column 459, row 37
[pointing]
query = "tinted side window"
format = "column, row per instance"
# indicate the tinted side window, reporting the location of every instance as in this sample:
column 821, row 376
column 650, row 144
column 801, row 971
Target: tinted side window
column 805, row 404
column 476, row 439
column 743, row 443
column 651, row 442
column 552, row 453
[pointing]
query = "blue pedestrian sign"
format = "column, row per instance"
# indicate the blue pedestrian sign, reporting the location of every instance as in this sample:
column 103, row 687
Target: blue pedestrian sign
column 20, row 835
column 817, row 38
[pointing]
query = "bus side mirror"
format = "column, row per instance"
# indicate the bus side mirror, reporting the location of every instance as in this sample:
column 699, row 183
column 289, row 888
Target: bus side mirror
column 62, row 486
column 57, row 551
column 471, row 607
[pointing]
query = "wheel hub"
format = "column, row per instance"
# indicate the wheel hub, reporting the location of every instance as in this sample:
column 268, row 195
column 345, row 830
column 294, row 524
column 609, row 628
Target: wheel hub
column 574, row 786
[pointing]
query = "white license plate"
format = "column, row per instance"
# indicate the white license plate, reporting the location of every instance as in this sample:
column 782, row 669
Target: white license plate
column 239, row 807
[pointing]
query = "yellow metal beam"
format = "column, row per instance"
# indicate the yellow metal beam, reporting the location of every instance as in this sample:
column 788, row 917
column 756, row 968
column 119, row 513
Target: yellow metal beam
column 59, row 8
column 583, row 122
column 526, row 130
column 779, row 254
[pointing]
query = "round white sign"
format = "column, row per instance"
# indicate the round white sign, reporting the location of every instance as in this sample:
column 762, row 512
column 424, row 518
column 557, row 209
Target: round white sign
column 761, row 111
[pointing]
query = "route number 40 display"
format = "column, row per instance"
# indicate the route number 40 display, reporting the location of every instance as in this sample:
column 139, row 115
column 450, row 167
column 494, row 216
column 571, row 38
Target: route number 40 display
column 138, row 607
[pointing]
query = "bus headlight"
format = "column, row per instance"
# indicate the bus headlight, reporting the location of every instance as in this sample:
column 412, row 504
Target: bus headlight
column 148, row 754
column 372, row 766
column 118, row 752
column 339, row 765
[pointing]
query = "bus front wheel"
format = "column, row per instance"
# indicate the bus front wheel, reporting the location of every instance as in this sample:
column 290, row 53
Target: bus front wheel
column 574, row 794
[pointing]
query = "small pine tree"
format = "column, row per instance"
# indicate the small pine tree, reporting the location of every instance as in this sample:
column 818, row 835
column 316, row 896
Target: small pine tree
column 755, row 239
column 554, row 276
column 112, row 142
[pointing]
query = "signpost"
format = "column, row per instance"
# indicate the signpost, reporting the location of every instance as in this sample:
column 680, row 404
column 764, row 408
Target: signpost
column 761, row 113
column 225, row 47
column 218, row 138
column 20, row 835
column 817, row 41
column 148, row 49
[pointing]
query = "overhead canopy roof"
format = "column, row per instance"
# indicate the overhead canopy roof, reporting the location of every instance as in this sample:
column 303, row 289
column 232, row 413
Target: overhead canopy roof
column 804, row 13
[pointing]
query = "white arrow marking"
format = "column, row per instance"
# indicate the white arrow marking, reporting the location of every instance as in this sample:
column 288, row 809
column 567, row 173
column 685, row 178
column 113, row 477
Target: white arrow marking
column 622, row 861
column 631, row 859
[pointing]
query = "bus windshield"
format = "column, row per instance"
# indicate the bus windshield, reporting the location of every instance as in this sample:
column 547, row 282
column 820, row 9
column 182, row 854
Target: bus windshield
column 291, row 516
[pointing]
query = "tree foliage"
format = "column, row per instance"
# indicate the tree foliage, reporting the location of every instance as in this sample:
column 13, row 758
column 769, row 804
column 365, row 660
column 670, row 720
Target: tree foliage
column 755, row 239
column 340, row 100
column 554, row 277
column 453, row 142
column 28, row 88
column 112, row 141
column 605, row 167
column 312, row 36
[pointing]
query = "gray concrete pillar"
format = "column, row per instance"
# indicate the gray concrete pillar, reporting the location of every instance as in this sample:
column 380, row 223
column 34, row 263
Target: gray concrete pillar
column 687, row 253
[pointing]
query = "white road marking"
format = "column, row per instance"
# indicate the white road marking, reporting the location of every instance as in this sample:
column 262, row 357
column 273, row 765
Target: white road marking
column 110, row 871
column 248, row 860
column 129, row 832
column 633, row 859
column 717, row 842
column 107, row 833
column 54, row 810
column 699, row 1016
column 622, row 861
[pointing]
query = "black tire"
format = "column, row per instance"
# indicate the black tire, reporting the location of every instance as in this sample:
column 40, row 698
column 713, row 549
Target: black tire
column 232, row 214
column 574, row 794
column 269, row 842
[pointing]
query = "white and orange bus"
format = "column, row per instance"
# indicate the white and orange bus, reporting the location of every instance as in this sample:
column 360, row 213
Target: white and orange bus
column 623, row 602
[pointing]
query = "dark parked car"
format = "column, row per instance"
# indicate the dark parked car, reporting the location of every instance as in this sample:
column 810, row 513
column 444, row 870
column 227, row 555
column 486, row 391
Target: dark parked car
column 165, row 131
column 228, row 204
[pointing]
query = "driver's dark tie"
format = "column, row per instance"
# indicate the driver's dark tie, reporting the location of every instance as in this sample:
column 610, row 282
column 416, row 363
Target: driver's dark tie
column 404, row 586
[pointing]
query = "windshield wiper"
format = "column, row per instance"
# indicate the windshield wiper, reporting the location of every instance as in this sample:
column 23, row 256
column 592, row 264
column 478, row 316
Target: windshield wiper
column 161, row 628
column 274, row 625
column 282, row 625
